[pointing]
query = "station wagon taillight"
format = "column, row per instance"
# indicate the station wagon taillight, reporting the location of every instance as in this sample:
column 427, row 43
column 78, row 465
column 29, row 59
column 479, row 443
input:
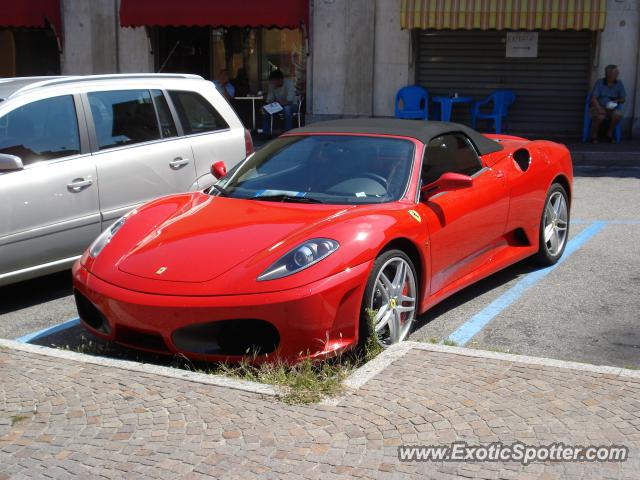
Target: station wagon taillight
column 248, row 143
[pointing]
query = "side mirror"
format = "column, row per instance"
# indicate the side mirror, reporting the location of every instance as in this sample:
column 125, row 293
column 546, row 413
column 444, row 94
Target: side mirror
column 218, row 170
column 10, row 162
column 447, row 181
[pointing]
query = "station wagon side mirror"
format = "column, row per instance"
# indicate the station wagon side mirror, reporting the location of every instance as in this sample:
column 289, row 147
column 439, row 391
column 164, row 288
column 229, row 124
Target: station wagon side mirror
column 10, row 162
column 218, row 169
column 447, row 181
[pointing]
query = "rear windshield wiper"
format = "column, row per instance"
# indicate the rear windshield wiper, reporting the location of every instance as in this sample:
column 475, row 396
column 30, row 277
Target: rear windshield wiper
column 286, row 198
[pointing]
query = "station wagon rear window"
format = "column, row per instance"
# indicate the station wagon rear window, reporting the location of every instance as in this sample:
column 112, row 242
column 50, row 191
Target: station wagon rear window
column 196, row 114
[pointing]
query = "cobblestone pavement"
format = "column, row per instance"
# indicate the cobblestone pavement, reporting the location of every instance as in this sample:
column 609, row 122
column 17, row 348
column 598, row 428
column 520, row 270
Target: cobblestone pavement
column 61, row 418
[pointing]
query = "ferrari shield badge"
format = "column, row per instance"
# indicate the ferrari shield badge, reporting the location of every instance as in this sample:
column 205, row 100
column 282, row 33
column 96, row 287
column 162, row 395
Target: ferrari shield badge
column 415, row 215
column 161, row 270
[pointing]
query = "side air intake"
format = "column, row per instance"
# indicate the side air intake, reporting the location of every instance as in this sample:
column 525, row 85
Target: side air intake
column 523, row 158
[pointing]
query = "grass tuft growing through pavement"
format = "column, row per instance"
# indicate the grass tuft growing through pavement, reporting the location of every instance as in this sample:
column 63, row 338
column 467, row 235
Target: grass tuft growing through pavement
column 304, row 382
column 372, row 347
column 16, row 418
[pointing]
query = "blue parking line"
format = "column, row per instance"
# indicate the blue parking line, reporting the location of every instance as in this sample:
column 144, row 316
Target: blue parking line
column 465, row 332
column 48, row 331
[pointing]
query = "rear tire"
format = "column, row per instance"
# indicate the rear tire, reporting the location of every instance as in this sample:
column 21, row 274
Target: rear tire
column 392, row 293
column 554, row 226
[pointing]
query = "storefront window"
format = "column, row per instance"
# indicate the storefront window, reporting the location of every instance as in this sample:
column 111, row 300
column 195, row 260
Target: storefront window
column 283, row 49
column 236, row 51
column 27, row 52
column 250, row 54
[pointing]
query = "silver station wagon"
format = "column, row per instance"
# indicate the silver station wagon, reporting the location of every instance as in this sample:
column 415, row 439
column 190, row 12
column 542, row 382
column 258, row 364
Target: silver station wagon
column 77, row 153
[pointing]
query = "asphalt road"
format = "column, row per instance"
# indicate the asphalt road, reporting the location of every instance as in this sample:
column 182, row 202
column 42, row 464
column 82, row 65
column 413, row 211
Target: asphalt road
column 586, row 309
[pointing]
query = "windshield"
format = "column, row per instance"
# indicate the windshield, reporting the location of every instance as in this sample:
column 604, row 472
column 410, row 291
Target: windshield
column 337, row 169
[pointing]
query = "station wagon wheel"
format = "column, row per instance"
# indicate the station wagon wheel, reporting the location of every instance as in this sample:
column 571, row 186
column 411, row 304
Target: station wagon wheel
column 390, row 299
column 554, row 226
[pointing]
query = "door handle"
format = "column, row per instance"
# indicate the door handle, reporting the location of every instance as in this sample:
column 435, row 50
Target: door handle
column 79, row 184
column 499, row 174
column 178, row 163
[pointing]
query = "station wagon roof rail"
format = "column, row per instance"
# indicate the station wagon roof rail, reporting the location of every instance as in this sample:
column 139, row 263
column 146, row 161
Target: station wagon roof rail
column 16, row 86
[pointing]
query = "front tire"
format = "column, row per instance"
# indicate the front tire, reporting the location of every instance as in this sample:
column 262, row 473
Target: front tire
column 554, row 226
column 390, row 299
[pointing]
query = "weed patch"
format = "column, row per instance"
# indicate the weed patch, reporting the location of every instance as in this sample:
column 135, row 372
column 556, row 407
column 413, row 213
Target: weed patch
column 16, row 418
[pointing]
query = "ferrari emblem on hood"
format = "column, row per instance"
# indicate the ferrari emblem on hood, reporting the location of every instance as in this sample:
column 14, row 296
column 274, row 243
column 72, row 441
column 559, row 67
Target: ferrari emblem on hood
column 415, row 215
column 161, row 270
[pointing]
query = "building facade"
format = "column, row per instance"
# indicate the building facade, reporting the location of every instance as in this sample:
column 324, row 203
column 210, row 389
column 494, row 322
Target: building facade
column 363, row 51
column 349, row 57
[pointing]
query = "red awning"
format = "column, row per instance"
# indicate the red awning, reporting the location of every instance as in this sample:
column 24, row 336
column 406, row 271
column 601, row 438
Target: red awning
column 215, row 13
column 32, row 13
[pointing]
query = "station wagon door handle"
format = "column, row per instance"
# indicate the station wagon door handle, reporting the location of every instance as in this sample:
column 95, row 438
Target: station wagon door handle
column 178, row 163
column 79, row 184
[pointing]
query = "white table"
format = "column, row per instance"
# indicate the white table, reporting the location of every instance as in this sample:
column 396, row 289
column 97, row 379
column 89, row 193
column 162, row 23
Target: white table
column 253, row 105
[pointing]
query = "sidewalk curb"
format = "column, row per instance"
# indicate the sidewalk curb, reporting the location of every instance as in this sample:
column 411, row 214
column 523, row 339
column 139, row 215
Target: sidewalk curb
column 203, row 378
column 527, row 360
column 352, row 383
column 365, row 373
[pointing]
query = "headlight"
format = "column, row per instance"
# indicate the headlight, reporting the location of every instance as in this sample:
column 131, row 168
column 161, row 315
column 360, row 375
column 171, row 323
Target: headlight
column 301, row 257
column 105, row 237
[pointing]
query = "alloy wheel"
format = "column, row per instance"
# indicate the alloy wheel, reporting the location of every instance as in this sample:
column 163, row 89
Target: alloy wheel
column 394, row 301
column 555, row 223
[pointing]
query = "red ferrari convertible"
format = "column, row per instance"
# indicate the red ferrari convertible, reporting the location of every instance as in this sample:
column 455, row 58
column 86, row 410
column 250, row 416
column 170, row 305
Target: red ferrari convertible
column 288, row 254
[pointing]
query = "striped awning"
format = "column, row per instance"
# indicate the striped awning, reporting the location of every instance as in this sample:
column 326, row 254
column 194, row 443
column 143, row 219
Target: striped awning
column 504, row 14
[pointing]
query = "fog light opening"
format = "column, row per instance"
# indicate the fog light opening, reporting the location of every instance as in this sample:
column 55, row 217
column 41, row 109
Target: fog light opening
column 90, row 314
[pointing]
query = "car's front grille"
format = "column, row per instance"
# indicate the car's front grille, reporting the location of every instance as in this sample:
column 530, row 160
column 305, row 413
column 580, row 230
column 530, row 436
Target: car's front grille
column 237, row 337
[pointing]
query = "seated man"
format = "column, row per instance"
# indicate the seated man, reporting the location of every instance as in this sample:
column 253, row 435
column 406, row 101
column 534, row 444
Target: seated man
column 224, row 85
column 281, row 90
column 607, row 97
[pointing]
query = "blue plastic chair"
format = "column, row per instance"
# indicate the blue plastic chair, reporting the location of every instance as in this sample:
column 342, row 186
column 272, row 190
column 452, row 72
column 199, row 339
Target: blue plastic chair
column 415, row 103
column 501, row 100
column 586, row 123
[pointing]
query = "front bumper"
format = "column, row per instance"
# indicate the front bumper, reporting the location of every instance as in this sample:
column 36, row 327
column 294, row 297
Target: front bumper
column 316, row 320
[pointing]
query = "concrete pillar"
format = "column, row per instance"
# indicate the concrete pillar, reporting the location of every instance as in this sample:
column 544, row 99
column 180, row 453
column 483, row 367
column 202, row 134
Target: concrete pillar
column 360, row 36
column 342, row 52
column 94, row 42
column 392, row 61
column 134, row 52
column 328, row 56
column 76, row 56
column 619, row 45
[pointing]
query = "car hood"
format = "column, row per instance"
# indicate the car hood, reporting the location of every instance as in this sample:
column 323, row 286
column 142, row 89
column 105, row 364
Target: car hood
column 211, row 235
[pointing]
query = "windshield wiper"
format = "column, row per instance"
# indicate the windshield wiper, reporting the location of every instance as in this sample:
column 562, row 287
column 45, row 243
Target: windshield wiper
column 286, row 198
column 223, row 191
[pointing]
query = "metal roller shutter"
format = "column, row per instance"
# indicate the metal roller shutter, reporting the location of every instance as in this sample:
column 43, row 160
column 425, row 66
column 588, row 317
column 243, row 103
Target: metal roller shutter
column 550, row 89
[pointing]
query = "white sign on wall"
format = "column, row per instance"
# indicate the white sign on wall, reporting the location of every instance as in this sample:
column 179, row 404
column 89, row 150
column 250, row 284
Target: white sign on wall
column 522, row 44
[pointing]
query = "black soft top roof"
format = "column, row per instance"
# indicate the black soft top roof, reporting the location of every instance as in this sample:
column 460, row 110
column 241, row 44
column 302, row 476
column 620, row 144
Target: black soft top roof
column 421, row 130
